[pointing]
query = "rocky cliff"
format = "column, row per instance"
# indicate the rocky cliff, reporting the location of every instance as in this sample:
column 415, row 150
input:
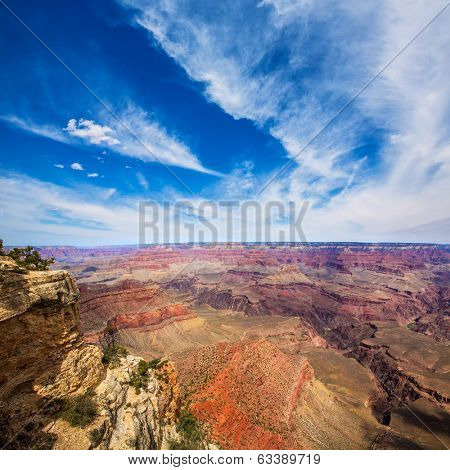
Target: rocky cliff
column 44, row 363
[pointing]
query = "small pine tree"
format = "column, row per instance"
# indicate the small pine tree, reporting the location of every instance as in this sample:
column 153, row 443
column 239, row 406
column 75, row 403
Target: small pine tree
column 112, row 352
column 28, row 258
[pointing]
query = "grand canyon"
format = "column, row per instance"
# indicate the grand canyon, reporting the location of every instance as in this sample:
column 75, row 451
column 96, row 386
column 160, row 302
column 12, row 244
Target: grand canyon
column 268, row 346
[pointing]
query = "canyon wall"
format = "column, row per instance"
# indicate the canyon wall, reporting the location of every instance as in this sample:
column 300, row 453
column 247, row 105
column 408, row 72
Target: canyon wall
column 44, row 361
column 234, row 316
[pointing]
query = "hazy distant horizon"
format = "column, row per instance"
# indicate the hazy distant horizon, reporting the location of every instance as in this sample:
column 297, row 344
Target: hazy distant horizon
column 150, row 245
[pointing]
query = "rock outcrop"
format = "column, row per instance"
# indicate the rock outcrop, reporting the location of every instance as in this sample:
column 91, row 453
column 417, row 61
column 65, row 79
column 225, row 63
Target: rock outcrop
column 246, row 392
column 252, row 395
column 128, row 418
column 152, row 319
column 45, row 361
column 41, row 345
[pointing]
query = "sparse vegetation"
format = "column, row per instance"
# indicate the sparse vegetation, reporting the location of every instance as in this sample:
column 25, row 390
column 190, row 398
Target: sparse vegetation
column 28, row 258
column 112, row 354
column 154, row 363
column 139, row 378
column 96, row 436
column 191, row 433
column 410, row 326
column 80, row 411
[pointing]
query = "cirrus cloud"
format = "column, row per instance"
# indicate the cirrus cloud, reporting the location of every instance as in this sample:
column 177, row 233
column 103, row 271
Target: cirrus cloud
column 383, row 165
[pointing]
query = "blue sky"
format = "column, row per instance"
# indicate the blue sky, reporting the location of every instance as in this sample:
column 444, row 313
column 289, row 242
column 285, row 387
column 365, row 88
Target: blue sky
column 205, row 100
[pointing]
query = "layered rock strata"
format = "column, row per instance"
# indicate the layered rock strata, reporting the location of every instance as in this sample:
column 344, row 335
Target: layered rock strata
column 44, row 361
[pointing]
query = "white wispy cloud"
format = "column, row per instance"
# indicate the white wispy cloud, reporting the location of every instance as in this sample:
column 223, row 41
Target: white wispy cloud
column 77, row 166
column 261, row 70
column 135, row 135
column 49, row 213
column 92, row 175
column 293, row 64
column 409, row 201
column 58, row 165
column 86, row 215
column 142, row 180
column 240, row 182
column 288, row 76
column 44, row 130
column 150, row 142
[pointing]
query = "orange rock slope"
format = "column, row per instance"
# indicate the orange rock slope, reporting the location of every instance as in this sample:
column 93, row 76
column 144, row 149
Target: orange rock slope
column 246, row 393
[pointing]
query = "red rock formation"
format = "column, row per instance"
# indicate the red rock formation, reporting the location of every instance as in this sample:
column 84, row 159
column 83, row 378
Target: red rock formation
column 246, row 393
column 100, row 303
column 153, row 318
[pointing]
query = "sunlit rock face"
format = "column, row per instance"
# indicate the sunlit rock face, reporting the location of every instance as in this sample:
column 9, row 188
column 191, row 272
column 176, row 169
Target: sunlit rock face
column 363, row 330
column 40, row 336
column 45, row 360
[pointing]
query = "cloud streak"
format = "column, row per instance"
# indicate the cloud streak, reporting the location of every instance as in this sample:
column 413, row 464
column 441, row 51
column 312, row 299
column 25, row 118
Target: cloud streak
column 135, row 135
column 293, row 64
column 149, row 141
column 379, row 173
column 142, row 180
column 48, row 211
column 274, row 70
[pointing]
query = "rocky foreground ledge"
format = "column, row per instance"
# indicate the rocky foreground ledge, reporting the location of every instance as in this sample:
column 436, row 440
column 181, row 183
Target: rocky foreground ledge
column 44, row 363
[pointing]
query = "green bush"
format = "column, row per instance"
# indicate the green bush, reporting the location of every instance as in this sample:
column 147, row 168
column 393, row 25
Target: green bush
column 191, row 433
column 154, row 364
column 28, row 258
column 112, row 354
column 80, row 411
column 143, row 367
column 96, row 436
column 139, row 378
